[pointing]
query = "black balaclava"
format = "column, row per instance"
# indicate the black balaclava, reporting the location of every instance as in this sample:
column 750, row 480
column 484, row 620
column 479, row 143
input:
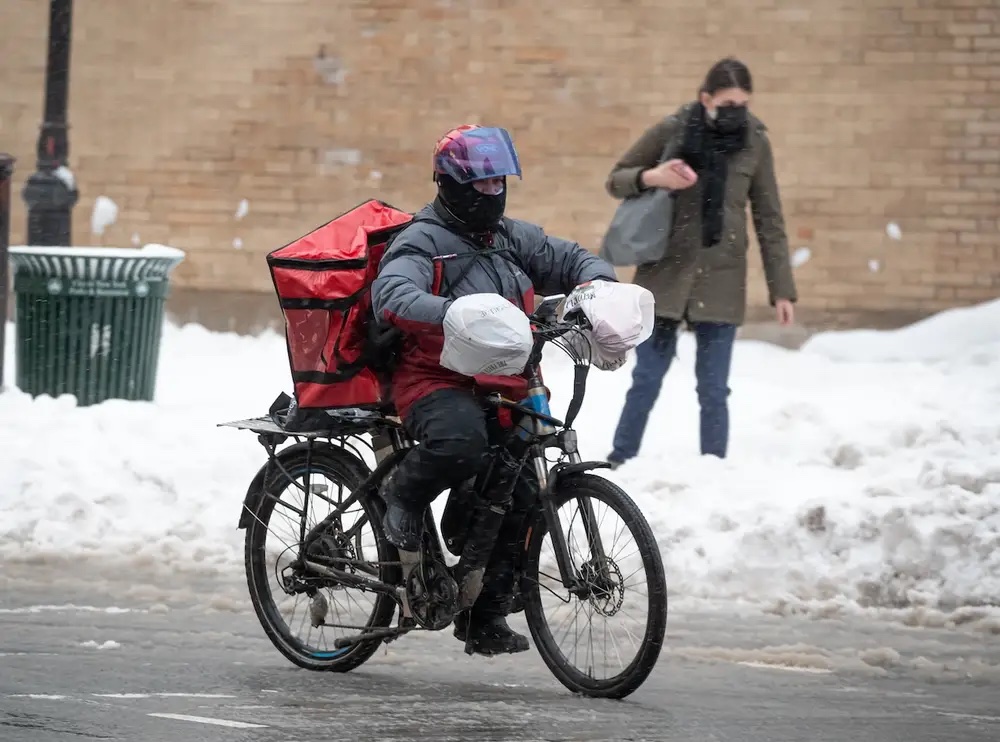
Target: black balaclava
column 475, row 212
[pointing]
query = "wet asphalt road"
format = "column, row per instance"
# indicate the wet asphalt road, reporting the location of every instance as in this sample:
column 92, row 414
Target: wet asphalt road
column 188, row 661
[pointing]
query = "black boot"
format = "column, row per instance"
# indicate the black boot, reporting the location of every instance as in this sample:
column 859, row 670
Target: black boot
column 488, row 635
column 404, row 520
column 484, row 627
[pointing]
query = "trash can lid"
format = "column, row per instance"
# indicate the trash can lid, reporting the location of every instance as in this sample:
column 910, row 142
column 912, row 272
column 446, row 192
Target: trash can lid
column 145, row 252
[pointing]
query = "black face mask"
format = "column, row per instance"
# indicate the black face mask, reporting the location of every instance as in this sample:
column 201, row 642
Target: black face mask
column 730, row 119
column 476, row 211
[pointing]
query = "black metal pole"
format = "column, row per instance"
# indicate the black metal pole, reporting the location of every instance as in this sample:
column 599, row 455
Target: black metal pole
column 50, row 193
column 6, row 171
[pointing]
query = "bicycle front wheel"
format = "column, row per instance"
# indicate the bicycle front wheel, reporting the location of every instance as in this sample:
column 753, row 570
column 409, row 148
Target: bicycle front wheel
column 614, row 554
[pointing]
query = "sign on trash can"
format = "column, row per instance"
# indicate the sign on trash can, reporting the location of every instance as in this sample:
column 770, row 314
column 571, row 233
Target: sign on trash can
column 88, row 320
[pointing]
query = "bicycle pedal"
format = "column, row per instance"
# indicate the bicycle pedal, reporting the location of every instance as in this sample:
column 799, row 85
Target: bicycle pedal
column 406, row 622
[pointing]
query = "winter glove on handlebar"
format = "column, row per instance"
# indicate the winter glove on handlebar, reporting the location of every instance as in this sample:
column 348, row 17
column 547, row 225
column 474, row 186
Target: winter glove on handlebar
column 486, row 334
column 582, row 342
column 620, row 317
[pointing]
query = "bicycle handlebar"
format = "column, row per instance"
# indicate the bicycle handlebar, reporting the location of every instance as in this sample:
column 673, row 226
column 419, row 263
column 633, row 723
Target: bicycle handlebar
column 544, row 323
column 545, row 328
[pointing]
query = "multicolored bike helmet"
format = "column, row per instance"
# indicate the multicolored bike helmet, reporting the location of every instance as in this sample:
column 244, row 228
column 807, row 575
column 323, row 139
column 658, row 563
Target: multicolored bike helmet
column 470, row 152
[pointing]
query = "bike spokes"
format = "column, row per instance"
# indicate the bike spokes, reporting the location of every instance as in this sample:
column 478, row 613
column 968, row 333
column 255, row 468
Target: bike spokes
column 598, row 625
column 315, row 610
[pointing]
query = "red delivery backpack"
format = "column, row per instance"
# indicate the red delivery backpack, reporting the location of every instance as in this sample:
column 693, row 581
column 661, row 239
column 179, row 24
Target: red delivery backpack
column 323, row 282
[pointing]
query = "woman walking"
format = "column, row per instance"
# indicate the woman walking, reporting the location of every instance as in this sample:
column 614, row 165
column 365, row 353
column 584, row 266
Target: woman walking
column 719, row 158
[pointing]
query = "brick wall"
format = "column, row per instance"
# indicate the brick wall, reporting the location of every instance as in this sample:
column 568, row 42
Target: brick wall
column 880, row 111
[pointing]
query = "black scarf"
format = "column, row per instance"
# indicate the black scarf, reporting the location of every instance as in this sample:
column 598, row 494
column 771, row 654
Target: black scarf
column 707, row 151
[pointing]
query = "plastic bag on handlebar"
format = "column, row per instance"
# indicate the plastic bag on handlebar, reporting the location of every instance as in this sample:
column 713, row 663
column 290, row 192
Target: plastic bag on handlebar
column 620, row 315
column 486, row 334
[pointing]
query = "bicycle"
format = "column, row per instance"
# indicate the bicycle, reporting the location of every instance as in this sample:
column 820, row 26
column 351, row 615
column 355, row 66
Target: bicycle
column 331, row 555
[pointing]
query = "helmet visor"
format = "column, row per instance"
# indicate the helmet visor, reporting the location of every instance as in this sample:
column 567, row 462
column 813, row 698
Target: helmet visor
column 478, row 154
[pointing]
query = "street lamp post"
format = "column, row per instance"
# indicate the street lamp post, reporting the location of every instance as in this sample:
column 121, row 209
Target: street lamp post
column 6, row 171
column 50, row 193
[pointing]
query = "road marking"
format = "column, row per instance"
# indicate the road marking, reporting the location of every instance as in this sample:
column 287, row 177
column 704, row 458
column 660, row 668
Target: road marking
column 787, row 668
column 119, row 696
column 162, row 695
column 69, row 607
column 216, row 722
column 970, row 717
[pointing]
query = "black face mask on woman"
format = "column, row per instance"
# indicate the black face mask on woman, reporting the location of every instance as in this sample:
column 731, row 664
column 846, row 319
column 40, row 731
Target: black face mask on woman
column 730, row 119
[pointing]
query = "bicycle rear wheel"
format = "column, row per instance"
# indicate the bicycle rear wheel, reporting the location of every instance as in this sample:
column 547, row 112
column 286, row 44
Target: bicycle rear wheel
column 613, row 591
column 283, row 595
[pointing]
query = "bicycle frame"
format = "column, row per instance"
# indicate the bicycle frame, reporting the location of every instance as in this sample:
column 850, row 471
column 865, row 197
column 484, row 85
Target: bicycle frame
column 547, row 431
column 567, row 438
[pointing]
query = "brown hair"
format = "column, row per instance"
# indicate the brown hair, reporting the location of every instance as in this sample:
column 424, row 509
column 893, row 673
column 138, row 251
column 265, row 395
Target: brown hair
column 727, row 73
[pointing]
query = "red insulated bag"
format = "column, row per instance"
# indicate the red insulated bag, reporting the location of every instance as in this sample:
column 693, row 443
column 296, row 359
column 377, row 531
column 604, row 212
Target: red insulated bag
column 323, row 282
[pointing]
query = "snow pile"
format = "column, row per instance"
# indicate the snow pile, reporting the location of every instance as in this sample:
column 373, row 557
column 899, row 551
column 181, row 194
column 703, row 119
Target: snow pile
column 858, row 482
column 66, row 176
column 958, row 335
column 864, row 470
column 156, row 480
column 109, row 644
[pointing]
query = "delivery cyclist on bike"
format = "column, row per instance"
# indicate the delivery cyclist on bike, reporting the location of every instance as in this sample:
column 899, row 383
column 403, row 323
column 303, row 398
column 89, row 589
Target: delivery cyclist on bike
column 461, row 245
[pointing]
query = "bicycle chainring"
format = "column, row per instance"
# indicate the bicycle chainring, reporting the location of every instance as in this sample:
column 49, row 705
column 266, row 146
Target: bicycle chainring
column 432, row 595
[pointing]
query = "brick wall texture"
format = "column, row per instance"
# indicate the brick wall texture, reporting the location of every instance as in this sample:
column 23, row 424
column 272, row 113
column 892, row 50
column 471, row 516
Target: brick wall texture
column 880, row 111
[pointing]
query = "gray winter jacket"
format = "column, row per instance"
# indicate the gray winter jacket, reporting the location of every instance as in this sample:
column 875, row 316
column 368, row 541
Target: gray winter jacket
column 427, row 266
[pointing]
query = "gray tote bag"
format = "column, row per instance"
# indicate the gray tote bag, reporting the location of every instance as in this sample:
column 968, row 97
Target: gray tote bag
column 640, row 228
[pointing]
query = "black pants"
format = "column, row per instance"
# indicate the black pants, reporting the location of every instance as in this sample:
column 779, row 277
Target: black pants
column 451, row 427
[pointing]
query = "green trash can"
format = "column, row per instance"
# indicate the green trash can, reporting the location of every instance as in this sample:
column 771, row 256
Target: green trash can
column 88, row 320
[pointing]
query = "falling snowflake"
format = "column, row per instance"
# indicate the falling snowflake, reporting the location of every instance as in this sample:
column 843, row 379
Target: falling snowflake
column 105, row 214
column 801, row 256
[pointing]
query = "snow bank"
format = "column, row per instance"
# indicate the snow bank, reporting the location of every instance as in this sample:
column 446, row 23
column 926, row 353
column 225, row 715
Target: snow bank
column 156, row 481
column 956, row 332
column 864, row 471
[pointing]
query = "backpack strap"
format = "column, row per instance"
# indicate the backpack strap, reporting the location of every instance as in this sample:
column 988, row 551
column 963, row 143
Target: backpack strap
column 504, row 252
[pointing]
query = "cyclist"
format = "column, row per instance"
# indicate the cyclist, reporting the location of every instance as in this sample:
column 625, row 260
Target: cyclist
column 462, row 245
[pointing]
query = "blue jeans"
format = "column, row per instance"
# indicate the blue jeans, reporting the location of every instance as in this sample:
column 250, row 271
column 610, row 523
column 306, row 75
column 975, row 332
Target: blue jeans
column 653, row 357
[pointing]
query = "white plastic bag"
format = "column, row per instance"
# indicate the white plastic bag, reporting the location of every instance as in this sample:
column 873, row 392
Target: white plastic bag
column 605, row 360
column 621, row 315
column 486, row 334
